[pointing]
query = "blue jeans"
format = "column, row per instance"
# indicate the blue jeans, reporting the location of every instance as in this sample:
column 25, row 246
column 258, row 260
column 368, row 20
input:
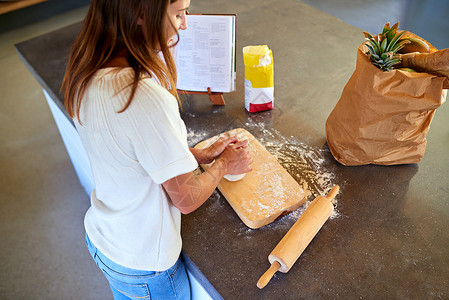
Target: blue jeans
column 129, row 283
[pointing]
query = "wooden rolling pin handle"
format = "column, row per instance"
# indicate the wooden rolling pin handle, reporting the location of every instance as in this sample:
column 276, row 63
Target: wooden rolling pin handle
column 333, row 192
column 266, row 277
column 293, row 244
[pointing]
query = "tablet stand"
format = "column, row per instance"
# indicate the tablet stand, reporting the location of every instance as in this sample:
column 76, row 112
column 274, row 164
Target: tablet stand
column 215, row 97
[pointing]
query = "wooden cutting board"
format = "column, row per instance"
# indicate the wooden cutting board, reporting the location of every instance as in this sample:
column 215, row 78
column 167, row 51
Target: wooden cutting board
column 264, row 194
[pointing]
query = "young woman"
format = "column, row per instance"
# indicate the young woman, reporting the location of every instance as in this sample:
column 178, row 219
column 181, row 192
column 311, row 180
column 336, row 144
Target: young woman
column 119, row 88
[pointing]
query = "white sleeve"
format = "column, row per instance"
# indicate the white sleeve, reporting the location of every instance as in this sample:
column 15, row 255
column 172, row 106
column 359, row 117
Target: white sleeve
column 158, row 133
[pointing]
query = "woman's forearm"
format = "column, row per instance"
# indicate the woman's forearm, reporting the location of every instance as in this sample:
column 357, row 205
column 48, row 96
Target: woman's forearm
column 188, row 192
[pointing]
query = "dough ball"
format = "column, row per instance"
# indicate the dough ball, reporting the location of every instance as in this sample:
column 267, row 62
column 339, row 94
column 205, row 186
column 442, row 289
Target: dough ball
column 235, row 177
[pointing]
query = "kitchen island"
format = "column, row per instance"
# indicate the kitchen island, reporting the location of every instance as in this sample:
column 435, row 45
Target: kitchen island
column 388, row 237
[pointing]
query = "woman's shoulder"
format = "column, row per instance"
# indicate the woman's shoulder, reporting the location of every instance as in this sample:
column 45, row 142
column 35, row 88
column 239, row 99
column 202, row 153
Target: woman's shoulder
column 126, row 75
column 150, row 87
column 121, row 79
column 117, row 82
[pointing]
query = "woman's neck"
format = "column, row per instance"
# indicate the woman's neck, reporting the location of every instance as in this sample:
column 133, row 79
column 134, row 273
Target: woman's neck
column 118, row 61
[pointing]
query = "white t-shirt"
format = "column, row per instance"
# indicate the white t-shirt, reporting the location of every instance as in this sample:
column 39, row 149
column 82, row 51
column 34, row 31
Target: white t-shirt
column 131, row 219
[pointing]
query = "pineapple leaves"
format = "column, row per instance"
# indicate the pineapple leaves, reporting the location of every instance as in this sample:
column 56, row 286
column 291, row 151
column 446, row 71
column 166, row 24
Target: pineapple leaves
column 395, row 27
column 383, row 45
column 375, row 57
column 375, row 46
column 392, row 62
column 400, row 45
column 367, row 35
column 382, row 48
column 391, row 34
column 386, row 28
column 370, row 48
column 394, row 41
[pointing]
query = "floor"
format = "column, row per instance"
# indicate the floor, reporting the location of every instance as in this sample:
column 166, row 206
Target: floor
column 42, row 253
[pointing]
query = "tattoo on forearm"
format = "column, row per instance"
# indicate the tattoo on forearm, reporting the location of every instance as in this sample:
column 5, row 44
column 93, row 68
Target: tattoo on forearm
column 186, row 192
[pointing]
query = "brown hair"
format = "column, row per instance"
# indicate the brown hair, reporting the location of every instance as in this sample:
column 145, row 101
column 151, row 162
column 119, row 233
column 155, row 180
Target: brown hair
column 111, row 29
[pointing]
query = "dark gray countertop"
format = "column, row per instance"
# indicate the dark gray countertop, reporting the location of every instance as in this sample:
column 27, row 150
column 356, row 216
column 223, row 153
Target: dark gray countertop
column 389, row 238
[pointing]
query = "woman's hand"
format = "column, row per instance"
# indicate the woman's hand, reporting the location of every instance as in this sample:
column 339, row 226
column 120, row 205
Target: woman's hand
column 237, row 158
column 209, row 154
column 188, row 192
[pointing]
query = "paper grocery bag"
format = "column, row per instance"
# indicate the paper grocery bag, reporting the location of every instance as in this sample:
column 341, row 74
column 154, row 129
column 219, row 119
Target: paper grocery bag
column 383, row 117
column 259, row 78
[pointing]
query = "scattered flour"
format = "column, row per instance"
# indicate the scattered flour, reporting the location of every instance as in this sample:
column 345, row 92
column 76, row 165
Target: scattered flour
column 303, row 162
column 194, row 138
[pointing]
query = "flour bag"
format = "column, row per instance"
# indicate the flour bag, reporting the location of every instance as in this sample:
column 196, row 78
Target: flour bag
column 259, row 78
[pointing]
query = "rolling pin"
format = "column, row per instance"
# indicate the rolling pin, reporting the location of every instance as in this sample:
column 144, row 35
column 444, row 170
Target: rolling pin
column 299, row 236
